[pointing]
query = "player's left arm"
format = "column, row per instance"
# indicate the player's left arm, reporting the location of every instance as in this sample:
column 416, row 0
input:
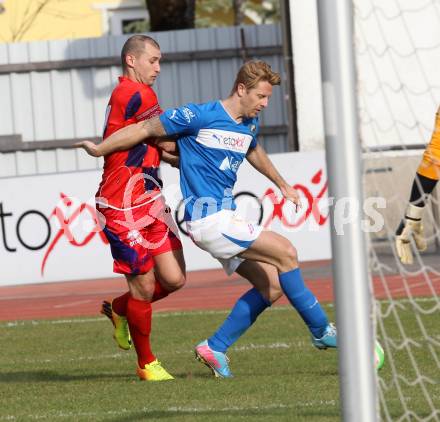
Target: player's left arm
column 167, row 145
column 260, row 161
column 171, row 158
column 170, row 151
column 125, row 138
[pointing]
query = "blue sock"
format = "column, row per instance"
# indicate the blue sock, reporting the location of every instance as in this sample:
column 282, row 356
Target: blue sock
column 243, row 315
column 304, row 301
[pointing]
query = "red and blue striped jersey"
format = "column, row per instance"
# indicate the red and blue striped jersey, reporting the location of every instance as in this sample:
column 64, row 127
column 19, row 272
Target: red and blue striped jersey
column 130, row 178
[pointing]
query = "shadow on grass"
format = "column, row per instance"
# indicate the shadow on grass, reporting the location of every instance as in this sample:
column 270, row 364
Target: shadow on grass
column 231, row 414
column 194, row 375
column 53, row 376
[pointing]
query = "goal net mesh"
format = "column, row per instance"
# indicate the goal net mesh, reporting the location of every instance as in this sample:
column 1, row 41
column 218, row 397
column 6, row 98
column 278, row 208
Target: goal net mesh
column 397, row 49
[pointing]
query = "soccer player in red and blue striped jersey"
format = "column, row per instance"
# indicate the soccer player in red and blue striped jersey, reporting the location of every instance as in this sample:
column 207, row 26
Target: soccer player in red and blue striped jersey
column 132, row 210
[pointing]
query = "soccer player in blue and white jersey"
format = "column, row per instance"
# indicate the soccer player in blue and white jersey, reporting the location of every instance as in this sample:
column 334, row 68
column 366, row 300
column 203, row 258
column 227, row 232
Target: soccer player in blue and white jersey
column 213, row 140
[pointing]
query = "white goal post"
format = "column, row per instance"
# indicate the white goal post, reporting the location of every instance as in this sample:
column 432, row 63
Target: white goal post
column 350, row 274
column 380, row 67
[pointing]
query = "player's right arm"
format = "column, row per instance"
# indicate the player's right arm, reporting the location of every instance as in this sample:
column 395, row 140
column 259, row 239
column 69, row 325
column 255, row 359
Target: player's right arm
column 125, row 138
column 259, row 159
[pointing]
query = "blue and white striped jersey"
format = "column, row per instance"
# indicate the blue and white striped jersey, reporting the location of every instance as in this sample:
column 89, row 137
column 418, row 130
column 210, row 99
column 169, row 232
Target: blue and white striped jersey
column 212, row 146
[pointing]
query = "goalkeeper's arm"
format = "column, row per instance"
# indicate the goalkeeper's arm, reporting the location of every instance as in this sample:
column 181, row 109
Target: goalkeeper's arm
column 411, row 226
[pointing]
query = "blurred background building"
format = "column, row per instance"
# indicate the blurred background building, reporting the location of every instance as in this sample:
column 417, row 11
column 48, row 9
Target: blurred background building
column 36, row 20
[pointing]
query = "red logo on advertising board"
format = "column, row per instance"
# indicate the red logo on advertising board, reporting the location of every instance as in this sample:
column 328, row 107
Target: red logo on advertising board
column 312, row 204
column 66, row 223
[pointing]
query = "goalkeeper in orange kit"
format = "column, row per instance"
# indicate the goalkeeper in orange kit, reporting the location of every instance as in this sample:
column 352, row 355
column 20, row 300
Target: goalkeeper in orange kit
column 427, row 176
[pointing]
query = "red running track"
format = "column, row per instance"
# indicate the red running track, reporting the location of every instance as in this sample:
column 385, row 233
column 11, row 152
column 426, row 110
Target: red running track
column 210, row 289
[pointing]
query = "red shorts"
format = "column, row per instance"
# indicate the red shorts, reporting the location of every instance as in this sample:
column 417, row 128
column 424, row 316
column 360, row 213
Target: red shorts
column 139, row 234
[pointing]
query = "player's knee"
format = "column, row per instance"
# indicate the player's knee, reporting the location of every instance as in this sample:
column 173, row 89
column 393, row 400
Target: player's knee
column 171, row 284
column 143, row 292
column 290, row 256
column 178, row 283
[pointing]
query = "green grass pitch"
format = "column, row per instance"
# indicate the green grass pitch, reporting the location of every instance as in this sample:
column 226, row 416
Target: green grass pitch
column 71, row 370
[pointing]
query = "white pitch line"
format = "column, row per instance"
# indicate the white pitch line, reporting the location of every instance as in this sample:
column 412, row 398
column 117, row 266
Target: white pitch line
column 413, row 286
column 407, row 300
column 13, row 324
column 55, row 295
column 69, row 305
column 284, row 308
column 250, row 347
column 122, row 355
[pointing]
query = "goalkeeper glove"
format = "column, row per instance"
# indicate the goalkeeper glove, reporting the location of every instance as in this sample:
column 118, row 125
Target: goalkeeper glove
column 413, row 227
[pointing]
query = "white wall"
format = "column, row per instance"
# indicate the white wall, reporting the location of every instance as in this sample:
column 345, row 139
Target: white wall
column 305, row 45
column 397, row 54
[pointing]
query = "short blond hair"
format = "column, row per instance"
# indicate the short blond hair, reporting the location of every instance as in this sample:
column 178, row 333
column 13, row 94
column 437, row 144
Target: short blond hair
column 255, row 71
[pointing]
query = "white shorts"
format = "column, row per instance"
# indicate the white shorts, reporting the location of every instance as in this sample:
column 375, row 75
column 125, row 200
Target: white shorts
column 224, row 235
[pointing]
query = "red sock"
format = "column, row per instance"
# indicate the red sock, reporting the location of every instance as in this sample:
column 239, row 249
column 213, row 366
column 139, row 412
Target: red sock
column 139, row 322
column 159, row 292
column 119, row 304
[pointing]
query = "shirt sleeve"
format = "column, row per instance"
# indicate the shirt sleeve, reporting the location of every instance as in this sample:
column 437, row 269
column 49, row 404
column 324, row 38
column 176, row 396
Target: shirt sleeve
column 255, row 127
column 185, row 120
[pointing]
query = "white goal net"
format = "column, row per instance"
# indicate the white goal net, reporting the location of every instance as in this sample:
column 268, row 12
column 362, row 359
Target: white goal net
column 397, row 48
